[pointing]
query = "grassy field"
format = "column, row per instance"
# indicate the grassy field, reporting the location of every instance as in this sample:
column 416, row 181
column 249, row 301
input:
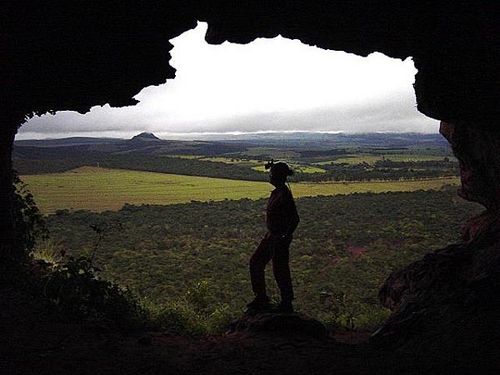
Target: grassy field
column 221, row 159
column 189, row 157
column 296, row 167
column 258, row 165
column 371, row 159
column 217, row 159
column 271, row 152
column 100, row 189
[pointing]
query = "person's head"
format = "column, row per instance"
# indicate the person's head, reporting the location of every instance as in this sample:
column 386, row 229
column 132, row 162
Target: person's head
column 278, row 172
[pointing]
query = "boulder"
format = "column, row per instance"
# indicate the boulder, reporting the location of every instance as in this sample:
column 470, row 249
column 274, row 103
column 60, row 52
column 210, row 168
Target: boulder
column 277, row 324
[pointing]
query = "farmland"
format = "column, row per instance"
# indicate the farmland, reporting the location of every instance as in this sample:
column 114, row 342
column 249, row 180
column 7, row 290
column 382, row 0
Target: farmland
column 369, row 204
column 100, row 189
column 373, row 158
column 314, row 158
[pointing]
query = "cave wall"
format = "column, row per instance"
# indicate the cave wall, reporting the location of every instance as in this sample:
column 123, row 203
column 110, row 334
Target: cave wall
column 8, row 248
column 478, row 152
column 451, row 42
column 60, row 55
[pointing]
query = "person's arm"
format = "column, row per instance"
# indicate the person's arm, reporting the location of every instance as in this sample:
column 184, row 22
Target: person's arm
column 294, row 218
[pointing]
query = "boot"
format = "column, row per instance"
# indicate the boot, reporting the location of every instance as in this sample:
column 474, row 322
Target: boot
column 285, row 307
column 259, row 304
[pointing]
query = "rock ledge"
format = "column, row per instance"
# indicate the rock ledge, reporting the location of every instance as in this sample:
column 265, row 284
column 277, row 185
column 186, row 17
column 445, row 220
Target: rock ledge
column 277, row 324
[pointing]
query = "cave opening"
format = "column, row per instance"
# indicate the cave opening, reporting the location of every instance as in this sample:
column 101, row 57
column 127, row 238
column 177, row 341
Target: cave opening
column 271, row 84
column 444, row 306
column 345, row 123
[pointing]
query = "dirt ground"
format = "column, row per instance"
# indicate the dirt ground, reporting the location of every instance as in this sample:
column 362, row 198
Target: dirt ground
column 32, row 341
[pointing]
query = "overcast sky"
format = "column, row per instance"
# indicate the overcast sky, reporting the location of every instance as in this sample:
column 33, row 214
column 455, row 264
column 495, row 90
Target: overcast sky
column 268, row 85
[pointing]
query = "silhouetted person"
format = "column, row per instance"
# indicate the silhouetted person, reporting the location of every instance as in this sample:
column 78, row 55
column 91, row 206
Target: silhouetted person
column 281, row 219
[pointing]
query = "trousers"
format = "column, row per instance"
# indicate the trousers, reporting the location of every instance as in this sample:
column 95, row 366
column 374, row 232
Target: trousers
column 277, row 250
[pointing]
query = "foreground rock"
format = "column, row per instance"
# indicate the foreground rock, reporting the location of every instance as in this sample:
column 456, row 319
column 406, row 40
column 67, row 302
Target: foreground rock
column 447, row 305
column 289, row 325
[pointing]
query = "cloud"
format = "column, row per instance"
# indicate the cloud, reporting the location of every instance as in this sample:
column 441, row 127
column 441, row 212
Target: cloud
column 269, row 84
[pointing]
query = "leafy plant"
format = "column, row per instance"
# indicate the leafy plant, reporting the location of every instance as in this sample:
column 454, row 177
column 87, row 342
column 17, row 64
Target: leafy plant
column 30, row 223
column 194, row 313
column 77, row 293
column 49, row 251
column 342, row 309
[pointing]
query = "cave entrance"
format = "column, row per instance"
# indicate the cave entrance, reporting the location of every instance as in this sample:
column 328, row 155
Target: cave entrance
column 277, row 84
column 370, row 202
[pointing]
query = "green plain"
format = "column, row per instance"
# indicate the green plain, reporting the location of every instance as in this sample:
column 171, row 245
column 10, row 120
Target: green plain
column 296, row 167
column 100, row 189
column 371, row 159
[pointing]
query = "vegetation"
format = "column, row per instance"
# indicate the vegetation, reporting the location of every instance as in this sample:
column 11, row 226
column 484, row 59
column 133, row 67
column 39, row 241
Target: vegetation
column 76, row 292
column 68, row 286
column 297, row 168
column 189, row 261
column 315, row 158
column 30, row 224
column 375, row 157
column 188, row 215
column 217, row 168
column 100, row 189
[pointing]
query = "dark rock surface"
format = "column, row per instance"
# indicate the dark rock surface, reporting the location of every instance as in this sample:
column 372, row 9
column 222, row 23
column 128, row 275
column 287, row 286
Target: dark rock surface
column 477, row 150
column 447, row 305
column 449, row 302
column 34, row 341
column 276, row 324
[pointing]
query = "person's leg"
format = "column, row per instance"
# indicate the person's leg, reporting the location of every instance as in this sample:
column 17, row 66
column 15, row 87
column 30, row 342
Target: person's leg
column 281, row 269
column 258, row 262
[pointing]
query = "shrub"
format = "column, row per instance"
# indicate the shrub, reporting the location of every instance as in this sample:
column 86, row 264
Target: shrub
column 49, row 251
column 30, row 224
column 77, row 293
column 177, row 317
column 192, row 314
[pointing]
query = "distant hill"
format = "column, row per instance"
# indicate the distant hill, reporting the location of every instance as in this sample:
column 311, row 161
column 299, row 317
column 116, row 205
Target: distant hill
column 299, row 140
column 339, row 140
column 144, row 136
column 258, row 145
column 63, row 142
column 83, row 141
column 143, row 143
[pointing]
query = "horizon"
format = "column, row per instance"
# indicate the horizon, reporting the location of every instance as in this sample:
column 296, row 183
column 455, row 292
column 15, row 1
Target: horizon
column 224, row 135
